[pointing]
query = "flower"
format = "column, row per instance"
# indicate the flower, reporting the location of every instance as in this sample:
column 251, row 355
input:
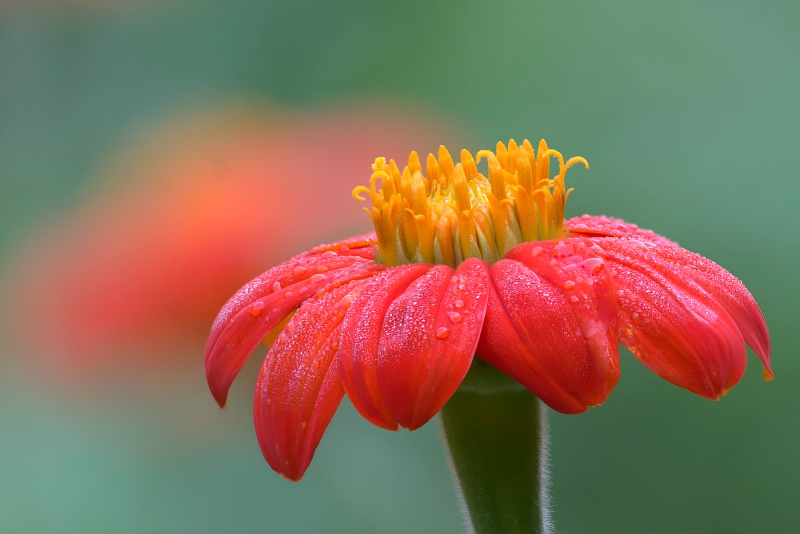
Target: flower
column 129, row 279
column 463, row 265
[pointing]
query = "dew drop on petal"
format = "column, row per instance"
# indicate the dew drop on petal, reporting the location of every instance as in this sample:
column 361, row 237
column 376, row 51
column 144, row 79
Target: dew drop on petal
column 454, row 316
column 299, row 270
column 276, row 287
column 318, row 278
column 256, row 309
column 458, row 303
column 564, row 249
column 569, row 284
column 593, row 265
column 620, row 293
column 328, row 254
column 322, row 269
column 574, row 299
column 442, row 333
column 345, row 302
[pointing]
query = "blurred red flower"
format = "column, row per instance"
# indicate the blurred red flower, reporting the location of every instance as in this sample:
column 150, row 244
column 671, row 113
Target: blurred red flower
column 142, row 264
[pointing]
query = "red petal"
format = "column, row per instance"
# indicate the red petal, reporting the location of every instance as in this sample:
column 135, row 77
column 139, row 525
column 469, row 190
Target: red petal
column 729, row 292
column 358, row 346
column 298, row 389
column 551, row 324
column 670, row 323
column 362, row 245
column 263, row 303
column 602, row 226
column 428, row 340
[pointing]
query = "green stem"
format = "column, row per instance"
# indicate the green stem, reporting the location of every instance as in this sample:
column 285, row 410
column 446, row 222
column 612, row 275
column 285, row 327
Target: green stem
column 496, row 434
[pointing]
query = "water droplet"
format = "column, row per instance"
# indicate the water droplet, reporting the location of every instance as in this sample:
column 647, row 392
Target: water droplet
column 620, row 293
column 269, row 402
column 318, row 278
column 256, row 309
column 536, row 251
column 569, row 284
column 322, row 269
column 453, row 279
column 458, row 303
column 442, row 333
column 574, row 299
column 328, row 254
column 564, row 249
column 299, row 270
column 276, row 287
column 346, row 301
column 579, row 280
column 461, row 287
column 593, row 265
column 454, row 316
column 289, row 294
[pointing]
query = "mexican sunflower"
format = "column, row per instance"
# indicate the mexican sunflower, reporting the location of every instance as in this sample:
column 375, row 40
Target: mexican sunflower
column 460, row 266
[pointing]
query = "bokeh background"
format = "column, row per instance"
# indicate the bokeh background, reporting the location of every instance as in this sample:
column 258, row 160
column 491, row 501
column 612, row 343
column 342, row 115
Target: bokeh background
column 141, row 141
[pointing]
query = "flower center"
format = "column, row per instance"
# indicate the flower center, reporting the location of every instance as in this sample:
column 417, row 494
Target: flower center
column 454, row 212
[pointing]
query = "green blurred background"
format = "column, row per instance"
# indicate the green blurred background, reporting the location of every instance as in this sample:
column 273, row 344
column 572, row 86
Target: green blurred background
column 688, row 114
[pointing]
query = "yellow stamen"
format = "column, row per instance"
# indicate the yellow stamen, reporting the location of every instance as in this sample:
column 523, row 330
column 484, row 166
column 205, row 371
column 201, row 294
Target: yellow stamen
column 454, row 212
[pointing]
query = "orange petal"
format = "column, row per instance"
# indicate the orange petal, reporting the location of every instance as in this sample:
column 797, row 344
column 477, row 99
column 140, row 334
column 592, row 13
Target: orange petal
column 263, row 303
column 670, row 323
column 428, row 340
column 298, row 389
column 726, row 289
column 602, row 226
column 551, row 324
column 358, row 346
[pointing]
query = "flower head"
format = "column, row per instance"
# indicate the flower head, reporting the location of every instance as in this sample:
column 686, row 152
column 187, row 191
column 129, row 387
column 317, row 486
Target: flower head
column 462, row 265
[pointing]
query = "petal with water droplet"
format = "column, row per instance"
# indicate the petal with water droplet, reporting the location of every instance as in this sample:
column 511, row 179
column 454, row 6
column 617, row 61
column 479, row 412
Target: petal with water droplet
column 298, row 388
column 671, row 324
column 362, row 246
column 563, row 349
column 237, row 331
column 602, row 226
column 726, row 289
column 418, row 370
column 361, row 331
